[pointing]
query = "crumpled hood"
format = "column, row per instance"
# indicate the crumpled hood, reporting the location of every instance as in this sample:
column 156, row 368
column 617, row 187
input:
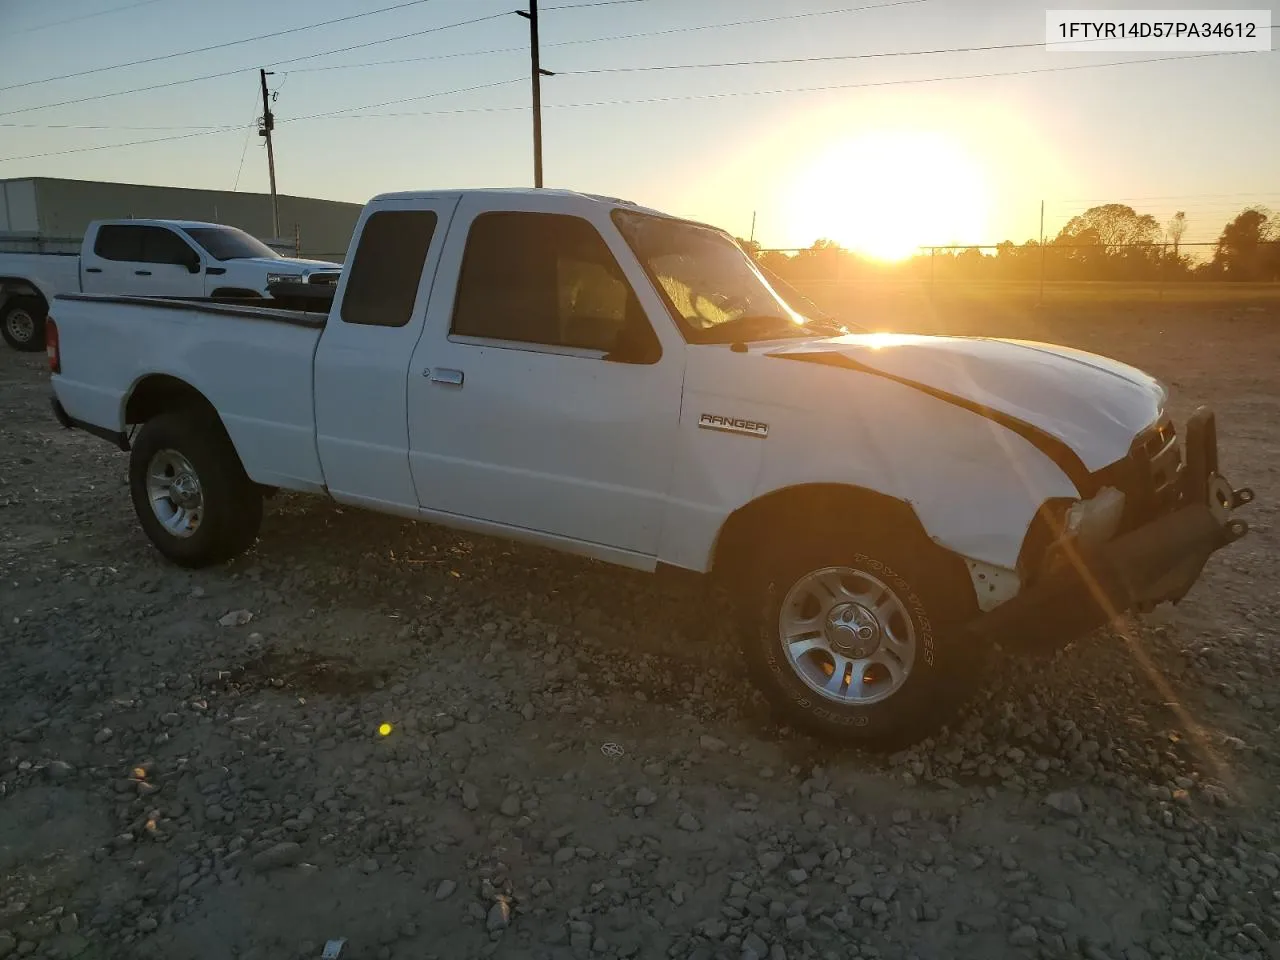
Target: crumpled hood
column 1094, row 405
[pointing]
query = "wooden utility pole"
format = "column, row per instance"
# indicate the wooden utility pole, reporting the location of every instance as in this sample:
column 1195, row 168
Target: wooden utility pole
column 269, row 124
column 536, row 74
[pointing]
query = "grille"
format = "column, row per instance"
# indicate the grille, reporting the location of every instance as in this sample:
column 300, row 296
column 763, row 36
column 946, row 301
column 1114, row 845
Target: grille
column 1149, row 479
column 325, row 279
column 1159, row 447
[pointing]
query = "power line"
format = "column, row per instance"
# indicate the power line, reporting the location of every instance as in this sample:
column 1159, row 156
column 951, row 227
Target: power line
column 623, row 36
column 426, row 96
column 267, row 36
column 231, row 73
column 823, row 59
column 244, row 151
column 86, row 16
column 404, row 36
column 819, row 89
column 351, row 112
column 595, row 3
column 111, row 126
column 227, row 129
column 1168, row 196
column 219, row 46
column 113, row 146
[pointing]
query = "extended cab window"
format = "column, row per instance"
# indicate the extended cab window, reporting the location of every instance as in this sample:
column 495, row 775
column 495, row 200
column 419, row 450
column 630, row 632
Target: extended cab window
column 119, row 242
column 546, row 279
column 387, row 267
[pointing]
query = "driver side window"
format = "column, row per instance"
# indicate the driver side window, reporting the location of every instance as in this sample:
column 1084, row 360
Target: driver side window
column 549, row 279
column 164, row 246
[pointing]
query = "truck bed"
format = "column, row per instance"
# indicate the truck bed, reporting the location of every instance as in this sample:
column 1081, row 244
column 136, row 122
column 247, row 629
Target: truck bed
column 252, row 363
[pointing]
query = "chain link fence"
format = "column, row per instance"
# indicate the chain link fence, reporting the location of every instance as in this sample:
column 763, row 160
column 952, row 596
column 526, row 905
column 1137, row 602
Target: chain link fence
column 1135, row 270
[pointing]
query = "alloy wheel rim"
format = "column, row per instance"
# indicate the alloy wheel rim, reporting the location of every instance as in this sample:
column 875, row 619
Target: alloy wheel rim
column 847, row 635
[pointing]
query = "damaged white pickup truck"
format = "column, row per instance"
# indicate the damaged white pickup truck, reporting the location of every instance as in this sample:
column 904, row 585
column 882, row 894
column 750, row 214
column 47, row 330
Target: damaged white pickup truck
column 585, row 374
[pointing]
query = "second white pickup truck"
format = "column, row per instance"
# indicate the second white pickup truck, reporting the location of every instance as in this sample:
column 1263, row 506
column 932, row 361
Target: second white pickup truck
column 585, row 374
column 158, row 258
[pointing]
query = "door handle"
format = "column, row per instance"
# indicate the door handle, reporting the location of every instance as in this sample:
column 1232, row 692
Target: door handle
column 142, row 273
column 92, row 269
column 445, row 375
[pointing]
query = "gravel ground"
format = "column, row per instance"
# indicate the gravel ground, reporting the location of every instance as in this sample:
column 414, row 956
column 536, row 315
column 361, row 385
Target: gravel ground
column 437, row 746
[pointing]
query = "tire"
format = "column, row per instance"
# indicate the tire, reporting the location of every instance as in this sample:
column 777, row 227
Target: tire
column 922, row 594
column 22, row 323
column 209, row 510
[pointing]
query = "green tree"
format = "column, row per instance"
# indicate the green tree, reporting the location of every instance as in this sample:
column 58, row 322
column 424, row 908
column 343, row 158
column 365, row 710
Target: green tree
column 1245, row 250
column 1112, row 225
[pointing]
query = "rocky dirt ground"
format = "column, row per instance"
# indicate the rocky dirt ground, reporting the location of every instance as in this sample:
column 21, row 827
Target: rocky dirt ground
column 438, row 746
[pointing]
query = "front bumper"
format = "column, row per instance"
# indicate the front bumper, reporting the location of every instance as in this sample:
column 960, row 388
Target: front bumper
column 1156, row 561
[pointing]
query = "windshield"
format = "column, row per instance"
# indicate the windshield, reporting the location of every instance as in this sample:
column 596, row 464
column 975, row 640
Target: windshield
column 229, row 243
column 711, row 286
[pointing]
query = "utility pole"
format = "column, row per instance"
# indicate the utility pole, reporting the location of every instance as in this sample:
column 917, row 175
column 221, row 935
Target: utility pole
column 536, row 73
column 269, row 124
column 753, row 226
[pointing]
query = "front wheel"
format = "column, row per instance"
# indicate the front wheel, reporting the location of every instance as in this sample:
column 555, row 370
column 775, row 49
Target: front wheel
column 860, row 646
column 22, row 324
column 190, row 491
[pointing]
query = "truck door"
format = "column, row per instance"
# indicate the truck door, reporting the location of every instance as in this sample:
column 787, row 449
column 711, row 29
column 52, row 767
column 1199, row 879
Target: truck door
column 540, row 396
column 145, row 260
column 362, row 359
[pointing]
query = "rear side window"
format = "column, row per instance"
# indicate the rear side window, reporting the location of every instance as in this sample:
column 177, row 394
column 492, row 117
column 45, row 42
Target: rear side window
column 387, row 267
column 119, row 242
column 542, row 278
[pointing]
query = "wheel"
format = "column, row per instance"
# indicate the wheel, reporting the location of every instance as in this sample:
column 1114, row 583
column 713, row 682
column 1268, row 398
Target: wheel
column 860, row 646
column 190, row 492
column 22, row 323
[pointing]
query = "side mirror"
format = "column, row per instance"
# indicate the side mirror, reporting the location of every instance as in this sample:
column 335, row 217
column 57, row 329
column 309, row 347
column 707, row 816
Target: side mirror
column 194, row 265
column 636, row 343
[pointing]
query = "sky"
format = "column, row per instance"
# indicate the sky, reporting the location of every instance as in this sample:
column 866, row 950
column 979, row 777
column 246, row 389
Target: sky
column 894, row 152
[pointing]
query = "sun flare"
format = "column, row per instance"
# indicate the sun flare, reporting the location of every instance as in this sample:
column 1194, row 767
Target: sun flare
column 885, row 194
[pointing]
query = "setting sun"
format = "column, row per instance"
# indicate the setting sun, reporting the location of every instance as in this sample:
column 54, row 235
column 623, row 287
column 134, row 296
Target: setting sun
column 886, row 193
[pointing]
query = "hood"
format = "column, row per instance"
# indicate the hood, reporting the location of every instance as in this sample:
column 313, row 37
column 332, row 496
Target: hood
column 289, row 264
column 1094, row 405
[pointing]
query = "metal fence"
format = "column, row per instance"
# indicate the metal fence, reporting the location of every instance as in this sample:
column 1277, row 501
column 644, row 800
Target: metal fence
column 1155, row 267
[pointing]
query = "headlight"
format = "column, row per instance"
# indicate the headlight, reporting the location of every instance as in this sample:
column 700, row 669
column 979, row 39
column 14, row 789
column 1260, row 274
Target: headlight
column 1080, row 523
column 280, row 277
column 1094, row 522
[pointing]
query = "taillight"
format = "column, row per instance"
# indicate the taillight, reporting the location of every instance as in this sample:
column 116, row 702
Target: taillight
column 51, row 345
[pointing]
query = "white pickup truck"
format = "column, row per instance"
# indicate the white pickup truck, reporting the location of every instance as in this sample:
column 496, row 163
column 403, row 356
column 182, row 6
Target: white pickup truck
column 599, row 378
column 161, row 258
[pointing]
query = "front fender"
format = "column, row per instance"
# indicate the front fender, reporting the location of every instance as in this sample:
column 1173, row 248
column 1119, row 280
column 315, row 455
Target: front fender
column 974, row 484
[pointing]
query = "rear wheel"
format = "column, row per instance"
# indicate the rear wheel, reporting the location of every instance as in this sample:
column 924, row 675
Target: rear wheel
column 22, row 323
column 189, row 490
column 862, row 646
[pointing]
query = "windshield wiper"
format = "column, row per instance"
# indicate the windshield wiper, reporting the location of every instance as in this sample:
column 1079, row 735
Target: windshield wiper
column 753, row 325
column 826, row 325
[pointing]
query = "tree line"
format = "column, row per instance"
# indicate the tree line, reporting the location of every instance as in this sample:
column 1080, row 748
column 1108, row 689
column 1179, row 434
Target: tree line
column 1111, row 241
